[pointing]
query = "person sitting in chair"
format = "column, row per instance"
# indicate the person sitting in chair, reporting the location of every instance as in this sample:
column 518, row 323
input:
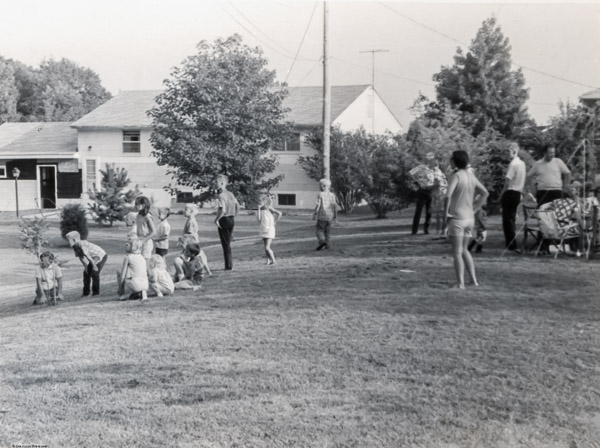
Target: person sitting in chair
column 568, row 211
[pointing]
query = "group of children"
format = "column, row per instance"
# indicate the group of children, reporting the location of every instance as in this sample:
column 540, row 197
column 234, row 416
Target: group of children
column 144, row 268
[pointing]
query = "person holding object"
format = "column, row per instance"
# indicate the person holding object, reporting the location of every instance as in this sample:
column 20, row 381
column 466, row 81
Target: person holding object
column 511, row 196
column 227, row 209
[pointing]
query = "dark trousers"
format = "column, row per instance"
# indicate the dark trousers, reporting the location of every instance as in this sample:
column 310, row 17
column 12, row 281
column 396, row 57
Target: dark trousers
column 322, row 231
column 510, row 201
column 423, row 200
column 226, row 224
column 89, row 275
column 544, row 196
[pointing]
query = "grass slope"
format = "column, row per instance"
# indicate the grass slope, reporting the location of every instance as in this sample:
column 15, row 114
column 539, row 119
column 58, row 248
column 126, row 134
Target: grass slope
column 333, row 348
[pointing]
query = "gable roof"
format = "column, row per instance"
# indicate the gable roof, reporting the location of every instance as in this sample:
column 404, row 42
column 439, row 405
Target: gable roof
column 593, row 95
column 306, row 103
column 43, row 139
column 126, row 110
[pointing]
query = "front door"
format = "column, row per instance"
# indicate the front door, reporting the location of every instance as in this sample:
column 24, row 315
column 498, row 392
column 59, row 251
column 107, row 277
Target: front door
column 47, row 186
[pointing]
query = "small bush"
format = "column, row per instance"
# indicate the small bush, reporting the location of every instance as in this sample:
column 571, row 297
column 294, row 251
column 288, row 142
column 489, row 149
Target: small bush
column 33, row 234
column 72, row 217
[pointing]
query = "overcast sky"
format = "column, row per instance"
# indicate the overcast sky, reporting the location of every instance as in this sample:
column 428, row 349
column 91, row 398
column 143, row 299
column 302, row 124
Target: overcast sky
column 134, row 44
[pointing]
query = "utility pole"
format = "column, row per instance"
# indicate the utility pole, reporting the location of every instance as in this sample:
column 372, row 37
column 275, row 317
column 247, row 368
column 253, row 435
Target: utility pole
column 326, row 95
column 373, row 81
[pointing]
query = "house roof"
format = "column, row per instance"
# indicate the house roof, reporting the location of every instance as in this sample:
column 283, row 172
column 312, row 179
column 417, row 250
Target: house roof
column 593, row 95
column 44, row 139
column 306, row 103
column 126, row 110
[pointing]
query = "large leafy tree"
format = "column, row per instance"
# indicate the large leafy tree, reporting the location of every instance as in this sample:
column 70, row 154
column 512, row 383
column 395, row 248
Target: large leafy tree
column 482, row 86
column 9, row 93
column 67, row 91
column 220, row 113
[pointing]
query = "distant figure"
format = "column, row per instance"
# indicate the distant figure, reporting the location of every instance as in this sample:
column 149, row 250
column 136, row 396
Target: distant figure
column 548, row 177
column 480, row 230
column 132, row 279
column 48, row 280
column 145, row 227
column 511, row 197
column 163, row 230
column 190, row 268
column 92, row 258
column 424, row 180
column 466, row 195
column 267, row 216
column 227, row 209
column 325, row 214
column 161, row 282
column 190, row 228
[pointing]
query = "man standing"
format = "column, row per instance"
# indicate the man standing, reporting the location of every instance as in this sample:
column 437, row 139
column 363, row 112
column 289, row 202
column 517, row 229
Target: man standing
column 548, row 177
column 511, row 196
column 425, row 180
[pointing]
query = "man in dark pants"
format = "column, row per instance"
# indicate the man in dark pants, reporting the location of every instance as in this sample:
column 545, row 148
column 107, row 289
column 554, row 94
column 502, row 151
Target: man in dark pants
column 511, row 197
column 227, row 208
column 425, row 182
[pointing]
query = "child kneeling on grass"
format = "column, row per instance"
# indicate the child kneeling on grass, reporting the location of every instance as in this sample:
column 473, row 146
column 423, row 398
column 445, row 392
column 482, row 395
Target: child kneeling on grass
column 132, row 280
column 190, row 267
column 161, row 282
column 48, row 281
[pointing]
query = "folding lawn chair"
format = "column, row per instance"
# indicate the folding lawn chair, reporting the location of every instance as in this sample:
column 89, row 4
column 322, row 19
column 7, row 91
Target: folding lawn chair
column 531, row 227
column 553, row 233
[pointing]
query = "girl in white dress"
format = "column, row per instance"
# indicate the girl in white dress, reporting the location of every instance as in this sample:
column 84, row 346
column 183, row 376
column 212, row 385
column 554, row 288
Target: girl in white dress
column 267, row 216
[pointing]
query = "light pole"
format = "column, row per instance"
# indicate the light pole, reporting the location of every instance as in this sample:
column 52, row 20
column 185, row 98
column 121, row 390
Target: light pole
column 16, row 172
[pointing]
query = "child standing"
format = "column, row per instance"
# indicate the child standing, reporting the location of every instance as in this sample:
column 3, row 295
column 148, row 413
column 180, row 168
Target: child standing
column 48, row 280
column 190, row 267
column 325, row 213
column 92, row 258
column 190, row 228
column 160, row 280
column 480, row 230
column 132, row 280
column 145, row 226
column 163, row 231
column 267, row 216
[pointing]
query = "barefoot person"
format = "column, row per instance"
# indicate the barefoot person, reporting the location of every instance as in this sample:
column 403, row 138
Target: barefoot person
column 466, row 195
column 227, row 209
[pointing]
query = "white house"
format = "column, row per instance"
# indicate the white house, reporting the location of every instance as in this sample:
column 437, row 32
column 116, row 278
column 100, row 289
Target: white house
column 118, row 132
column 46, row 158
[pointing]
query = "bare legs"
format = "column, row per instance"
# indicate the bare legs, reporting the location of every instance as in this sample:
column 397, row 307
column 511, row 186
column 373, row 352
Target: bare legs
column 268, row 251
column 462, row 260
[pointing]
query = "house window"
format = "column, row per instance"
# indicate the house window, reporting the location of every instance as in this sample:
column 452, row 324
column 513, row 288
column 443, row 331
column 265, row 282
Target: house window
column 289, row 144
column 131, row 142
column 286, row 199
column 185, row 197
column 90, row 174
column 2, row 171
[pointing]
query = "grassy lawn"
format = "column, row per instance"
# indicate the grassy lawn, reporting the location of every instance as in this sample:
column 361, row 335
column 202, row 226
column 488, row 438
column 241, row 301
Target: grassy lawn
column 363, row 345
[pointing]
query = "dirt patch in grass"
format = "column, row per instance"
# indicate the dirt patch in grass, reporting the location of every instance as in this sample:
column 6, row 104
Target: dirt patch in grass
column 361, row 345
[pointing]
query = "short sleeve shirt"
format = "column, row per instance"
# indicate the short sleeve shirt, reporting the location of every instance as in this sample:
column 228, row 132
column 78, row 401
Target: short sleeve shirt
column 227, row 201
column 95, row 252
column 326, row 200
column 48, row 275
column 516, row 175
column 163, row 230
column 548, row 175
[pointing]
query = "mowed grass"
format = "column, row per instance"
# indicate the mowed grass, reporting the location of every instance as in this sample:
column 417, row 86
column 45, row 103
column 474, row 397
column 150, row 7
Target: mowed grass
column 344, row 347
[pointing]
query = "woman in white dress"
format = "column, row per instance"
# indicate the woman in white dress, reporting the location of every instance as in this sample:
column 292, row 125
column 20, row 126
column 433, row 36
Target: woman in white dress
column 267, row 216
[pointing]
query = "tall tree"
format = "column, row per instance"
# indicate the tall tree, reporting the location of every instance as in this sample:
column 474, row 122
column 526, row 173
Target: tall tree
column 68, row 91
column 9, row 93
column 482, row 86
column 220, row 113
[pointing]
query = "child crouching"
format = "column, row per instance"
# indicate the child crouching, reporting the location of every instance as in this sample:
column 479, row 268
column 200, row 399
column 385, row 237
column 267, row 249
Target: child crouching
column 48, row 281
column 190, row 267
column 133, row 278
column 161, row 282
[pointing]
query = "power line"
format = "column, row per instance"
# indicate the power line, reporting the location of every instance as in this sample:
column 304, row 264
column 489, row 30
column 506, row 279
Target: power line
column 463, row 43
column 306, row 76
column 301, row 42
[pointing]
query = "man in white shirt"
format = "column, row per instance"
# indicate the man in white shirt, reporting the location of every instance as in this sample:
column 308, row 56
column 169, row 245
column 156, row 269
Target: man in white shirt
column 548, row 177
column 511, row 196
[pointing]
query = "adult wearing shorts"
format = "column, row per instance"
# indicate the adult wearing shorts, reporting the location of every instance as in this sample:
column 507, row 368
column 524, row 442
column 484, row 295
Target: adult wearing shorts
column 466, row 195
